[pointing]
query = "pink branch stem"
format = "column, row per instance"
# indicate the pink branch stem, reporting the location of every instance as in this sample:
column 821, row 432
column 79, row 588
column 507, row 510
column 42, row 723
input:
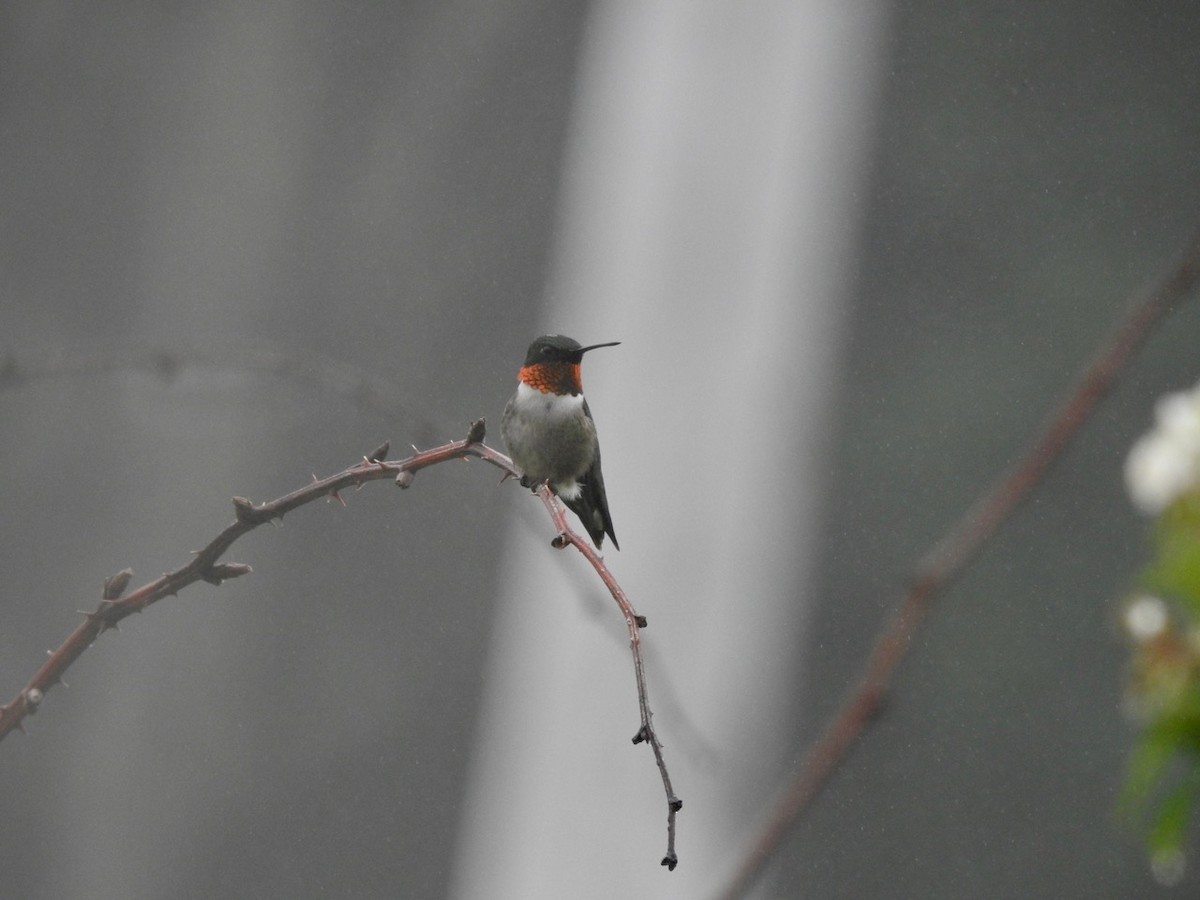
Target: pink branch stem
column 205, row 566
column 634, row 623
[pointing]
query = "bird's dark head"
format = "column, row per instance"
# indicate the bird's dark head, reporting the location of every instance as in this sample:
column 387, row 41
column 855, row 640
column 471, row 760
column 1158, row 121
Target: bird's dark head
column 550, row 348
column 552, row 364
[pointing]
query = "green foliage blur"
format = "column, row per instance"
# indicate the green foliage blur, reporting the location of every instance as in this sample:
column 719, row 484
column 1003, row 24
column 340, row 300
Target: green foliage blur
column 1163, row 780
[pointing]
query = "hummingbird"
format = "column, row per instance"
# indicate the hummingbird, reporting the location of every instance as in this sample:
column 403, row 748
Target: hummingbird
column 551, row 436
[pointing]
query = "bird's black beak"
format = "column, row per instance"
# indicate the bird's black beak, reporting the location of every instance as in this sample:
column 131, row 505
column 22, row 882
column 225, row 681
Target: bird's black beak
column 584, row 350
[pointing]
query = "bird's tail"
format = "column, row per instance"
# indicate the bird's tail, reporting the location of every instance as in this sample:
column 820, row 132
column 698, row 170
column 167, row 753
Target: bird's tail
column 591, row 505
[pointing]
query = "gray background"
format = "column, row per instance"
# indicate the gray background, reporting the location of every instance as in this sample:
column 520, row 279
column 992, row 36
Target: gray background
column 239, row 246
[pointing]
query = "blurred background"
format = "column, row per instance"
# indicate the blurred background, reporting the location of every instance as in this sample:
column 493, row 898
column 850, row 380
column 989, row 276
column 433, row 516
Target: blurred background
column 854, row 252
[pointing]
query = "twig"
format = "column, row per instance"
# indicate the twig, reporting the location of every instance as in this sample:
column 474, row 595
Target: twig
column 205, row 566
column 634, row 623
column 950, row 555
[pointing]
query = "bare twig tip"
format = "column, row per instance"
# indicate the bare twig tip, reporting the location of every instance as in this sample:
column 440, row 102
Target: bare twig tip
column 225, row 571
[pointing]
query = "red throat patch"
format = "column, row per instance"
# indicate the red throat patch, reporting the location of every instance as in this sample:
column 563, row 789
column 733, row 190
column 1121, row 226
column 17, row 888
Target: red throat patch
column 553, row 378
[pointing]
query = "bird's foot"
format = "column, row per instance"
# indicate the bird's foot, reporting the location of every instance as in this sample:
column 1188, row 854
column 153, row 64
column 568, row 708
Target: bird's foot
column 535, row 484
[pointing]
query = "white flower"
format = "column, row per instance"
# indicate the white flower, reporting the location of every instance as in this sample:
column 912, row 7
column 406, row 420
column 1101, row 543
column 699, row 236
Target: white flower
column 1178, row 417
column 1145, row 618
column 1165, row 462
column 1168, row 866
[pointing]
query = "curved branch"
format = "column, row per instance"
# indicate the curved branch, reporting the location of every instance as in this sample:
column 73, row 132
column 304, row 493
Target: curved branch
column 206, row 566
column 634, row 623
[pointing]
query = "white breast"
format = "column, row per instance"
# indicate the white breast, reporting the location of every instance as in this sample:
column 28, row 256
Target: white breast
column 555, row 405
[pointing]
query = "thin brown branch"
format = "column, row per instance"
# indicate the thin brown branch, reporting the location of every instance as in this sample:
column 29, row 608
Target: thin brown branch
column 946, row 560
column 634, row 623
column 206, row 566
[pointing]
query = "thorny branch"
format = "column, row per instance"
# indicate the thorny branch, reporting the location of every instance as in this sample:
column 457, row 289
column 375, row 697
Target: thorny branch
column 206, row 566
column 635, row 623
column 948, row 557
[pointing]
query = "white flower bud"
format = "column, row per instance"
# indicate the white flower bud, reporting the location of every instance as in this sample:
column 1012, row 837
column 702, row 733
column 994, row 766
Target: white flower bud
column 1165, row 462
column 1145, row 618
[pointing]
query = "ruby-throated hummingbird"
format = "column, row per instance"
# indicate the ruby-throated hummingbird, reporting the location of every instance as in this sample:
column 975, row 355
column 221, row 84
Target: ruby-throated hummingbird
column 550, row 434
